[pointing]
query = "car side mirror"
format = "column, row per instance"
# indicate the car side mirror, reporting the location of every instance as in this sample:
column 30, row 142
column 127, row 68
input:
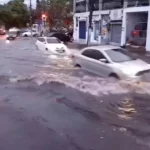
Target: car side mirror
column 103, row 60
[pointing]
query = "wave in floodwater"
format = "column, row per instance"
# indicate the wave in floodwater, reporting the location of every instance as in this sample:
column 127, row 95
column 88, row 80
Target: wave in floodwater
column 88, row 84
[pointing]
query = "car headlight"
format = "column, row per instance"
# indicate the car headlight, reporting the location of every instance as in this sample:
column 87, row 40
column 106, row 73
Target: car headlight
column 129, row 72
column 6, row 35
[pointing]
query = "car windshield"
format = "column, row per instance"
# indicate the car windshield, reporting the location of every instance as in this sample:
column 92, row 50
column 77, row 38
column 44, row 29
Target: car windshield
column 53, row 41
column 119, row 55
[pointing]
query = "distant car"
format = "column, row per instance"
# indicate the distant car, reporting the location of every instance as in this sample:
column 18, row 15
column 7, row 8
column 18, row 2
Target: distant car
column 70, row 34
column 52, row 45
column 14, row 29
column 61, row 36
column 23, row 30
column 34, row 33
column 110, row 61
column 2, row 31
column 11, row 35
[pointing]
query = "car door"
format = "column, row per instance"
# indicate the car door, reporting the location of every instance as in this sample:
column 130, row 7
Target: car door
column 100, row 67
column 92, row 62
column 40, row 43
column 43, row 44
column 86, row 60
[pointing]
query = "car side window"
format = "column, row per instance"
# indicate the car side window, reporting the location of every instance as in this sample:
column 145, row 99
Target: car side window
column 87, row 53
column 94, row 54
column 98, row 55
column 41, row 39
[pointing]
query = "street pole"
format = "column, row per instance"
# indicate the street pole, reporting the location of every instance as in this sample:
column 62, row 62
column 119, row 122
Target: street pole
column 31, row 17
column 90, row 22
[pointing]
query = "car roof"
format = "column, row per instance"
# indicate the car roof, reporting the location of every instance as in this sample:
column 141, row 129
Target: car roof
column 103, row 47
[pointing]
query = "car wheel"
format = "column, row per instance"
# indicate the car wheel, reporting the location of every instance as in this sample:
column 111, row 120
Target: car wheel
column 46, row 49
column 114, row 76
column 25, row 35
column 78, row 66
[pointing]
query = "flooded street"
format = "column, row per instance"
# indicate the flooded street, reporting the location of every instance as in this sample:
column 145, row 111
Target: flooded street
column 47, row 104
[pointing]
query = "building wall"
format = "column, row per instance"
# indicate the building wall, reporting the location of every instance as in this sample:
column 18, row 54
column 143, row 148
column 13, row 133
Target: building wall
column 126, row 22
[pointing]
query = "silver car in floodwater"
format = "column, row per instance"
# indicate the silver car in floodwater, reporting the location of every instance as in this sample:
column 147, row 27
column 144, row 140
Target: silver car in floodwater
column 110, row 61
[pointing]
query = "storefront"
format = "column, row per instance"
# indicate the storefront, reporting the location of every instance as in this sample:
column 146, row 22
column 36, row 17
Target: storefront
column 115, row 27
column 115, row 35
column 136, row 18
column 80, row 27
column 96, row 23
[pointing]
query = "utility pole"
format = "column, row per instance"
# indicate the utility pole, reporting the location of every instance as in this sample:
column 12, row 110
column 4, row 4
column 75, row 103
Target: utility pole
column 91, row 6
column 31, row 17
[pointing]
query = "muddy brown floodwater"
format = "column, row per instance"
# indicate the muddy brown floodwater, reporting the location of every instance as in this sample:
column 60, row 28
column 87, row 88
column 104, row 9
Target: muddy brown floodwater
column 47, row 104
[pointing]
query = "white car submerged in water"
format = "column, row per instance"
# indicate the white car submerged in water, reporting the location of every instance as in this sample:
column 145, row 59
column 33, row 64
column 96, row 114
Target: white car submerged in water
column 110, row 61
column 52, row 45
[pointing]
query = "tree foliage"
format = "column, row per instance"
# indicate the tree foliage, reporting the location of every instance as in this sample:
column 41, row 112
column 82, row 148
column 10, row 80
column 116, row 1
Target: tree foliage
column 14, row 13
column 58, row 11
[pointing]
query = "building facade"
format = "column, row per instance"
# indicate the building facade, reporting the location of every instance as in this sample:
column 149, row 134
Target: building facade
column 114, row 22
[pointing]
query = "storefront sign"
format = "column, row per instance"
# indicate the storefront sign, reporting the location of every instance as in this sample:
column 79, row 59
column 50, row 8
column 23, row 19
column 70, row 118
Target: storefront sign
column 116, row 14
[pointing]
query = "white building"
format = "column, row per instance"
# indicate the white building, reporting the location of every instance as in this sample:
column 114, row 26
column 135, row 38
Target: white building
column 113, row 22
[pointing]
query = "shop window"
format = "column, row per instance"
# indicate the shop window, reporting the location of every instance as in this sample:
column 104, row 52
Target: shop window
column 81, row 7
column 137, row 3
column 95, row 4
column 107, row 4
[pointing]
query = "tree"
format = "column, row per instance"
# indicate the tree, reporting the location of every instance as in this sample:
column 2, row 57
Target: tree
column 59, row 13
column 14, row 13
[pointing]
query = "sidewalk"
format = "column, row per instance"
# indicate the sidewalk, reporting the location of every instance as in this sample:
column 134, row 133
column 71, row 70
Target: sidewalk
column 141, row 55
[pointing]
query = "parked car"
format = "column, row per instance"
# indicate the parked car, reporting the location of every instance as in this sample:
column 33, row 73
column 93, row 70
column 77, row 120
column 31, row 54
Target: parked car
column 70, row 34
column 110, row 61
column 11, row 35
column 2, row 31
column 52, row 45
column 34, row 33
column 14, row 29
column 23, row 30
column 61, row 36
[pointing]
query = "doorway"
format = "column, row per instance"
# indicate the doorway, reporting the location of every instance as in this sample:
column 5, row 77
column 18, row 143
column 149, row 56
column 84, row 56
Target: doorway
column 136, row 33
column 115, row 32
column 96, row 30
column 82, row 29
